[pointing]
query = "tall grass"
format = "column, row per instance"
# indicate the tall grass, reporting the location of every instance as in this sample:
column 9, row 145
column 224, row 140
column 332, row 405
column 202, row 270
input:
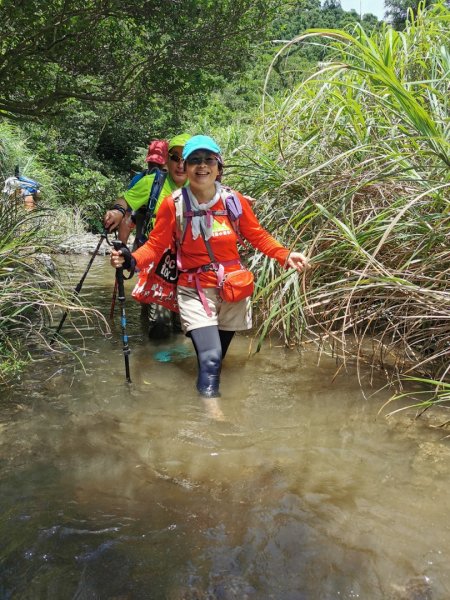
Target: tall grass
column 352, row 166
column 31, row 293
column 14, row 150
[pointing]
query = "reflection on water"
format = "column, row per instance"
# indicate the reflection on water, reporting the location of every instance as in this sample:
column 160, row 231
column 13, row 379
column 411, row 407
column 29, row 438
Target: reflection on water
column 297, row 491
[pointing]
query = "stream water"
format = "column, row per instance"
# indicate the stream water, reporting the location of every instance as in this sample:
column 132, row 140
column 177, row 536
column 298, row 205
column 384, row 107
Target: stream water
column 290, row 487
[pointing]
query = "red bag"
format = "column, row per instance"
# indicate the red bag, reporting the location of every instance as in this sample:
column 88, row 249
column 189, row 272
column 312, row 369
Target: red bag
column 237, row 285
column 159, row 286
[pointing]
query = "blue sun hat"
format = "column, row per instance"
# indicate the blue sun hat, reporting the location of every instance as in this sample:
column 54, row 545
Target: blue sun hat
column 201, row 142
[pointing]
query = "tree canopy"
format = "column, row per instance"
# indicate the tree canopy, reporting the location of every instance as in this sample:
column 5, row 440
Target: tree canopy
column 112, row 50
column 93, row 81
column 397, row 11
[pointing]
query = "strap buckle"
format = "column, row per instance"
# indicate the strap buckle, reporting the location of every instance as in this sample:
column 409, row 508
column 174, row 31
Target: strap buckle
column 210, row 267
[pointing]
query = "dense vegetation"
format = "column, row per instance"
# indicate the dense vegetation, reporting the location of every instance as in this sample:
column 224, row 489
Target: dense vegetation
column 354, row 162
column 348, row 153
column 29, row 287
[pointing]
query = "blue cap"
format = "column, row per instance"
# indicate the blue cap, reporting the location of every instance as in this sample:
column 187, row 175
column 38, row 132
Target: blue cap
column 200, row 142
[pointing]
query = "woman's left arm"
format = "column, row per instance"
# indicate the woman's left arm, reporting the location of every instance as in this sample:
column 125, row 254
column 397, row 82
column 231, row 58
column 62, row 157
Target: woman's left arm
column 261, row 239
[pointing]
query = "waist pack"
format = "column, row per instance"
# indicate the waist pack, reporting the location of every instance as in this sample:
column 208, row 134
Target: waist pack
column 237, row 285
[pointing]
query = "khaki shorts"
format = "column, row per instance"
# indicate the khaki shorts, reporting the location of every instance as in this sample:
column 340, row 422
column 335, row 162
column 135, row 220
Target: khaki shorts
column 228, row 316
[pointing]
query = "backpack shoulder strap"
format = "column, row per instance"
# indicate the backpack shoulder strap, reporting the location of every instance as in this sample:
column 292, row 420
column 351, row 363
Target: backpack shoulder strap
column 178, row 200
column 155, row 190
column 187, row 212
column 184, row 213
column 137, row 177
column 233, row 206
column 232, row 203
column 177, row 197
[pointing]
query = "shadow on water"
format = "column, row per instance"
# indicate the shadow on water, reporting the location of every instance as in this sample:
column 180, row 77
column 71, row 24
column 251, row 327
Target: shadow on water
column 289, row 488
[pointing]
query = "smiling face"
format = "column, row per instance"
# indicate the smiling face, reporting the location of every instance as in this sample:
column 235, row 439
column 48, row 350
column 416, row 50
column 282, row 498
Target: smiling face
column 175, row 166
column 202, row 170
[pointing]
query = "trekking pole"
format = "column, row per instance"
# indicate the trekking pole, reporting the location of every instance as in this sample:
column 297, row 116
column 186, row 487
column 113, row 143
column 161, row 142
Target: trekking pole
column 77, row 290
column 113, row 301
column 123, row 317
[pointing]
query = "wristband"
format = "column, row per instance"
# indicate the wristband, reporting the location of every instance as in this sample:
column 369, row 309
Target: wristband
column 120, row 208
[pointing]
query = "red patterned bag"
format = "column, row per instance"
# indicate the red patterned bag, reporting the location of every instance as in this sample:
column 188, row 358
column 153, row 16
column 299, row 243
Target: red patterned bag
column 159, row 285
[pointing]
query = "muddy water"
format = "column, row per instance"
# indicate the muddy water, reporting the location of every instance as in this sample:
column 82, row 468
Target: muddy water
column 290, row 487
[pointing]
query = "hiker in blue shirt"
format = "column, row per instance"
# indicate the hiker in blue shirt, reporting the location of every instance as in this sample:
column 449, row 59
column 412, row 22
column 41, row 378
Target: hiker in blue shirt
column 24, row 187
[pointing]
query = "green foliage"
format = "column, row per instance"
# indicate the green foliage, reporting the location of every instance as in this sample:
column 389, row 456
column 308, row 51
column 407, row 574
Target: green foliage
column 399, row 12
column 433, row 393
column 294, row 18
column 79, row 178
column 29, row 287
column 237, row 100
column 91, row 148
column 352, row 165
column 105, row 77
column 112, row 50
column 13, row 360
column 14, row 151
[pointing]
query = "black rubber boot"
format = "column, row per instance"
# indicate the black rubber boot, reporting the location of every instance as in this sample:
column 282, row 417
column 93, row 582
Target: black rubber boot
column 159, row 322
column 176, row 322
column 208, row 386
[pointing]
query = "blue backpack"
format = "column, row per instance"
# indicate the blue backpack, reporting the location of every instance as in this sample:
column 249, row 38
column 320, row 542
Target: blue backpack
column 28, row 186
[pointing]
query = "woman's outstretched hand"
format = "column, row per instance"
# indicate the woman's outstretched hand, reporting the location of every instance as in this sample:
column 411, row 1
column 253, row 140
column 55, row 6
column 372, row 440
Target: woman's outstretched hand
column 297, row 260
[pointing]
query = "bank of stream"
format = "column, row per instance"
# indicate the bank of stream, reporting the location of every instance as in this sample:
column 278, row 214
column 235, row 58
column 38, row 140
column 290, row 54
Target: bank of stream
column 291, row 487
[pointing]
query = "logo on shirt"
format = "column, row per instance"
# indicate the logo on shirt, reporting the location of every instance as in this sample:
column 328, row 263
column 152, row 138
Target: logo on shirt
column 220, row 228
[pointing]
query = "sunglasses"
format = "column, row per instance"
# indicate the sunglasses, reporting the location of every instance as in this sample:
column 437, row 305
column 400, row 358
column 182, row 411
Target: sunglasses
column 198, row 159
column 175, row 158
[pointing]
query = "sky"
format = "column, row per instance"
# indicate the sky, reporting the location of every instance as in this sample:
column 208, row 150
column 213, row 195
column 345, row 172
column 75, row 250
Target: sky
column 376, row 7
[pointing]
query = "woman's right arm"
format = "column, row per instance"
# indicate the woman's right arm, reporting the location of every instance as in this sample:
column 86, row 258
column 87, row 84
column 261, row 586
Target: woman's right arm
column 161, row 236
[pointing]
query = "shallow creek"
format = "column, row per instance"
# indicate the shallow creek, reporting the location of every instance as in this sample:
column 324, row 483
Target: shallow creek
column 290, row 487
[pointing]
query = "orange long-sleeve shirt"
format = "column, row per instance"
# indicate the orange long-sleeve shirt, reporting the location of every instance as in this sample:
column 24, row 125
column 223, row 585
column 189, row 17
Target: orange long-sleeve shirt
column 223, row 242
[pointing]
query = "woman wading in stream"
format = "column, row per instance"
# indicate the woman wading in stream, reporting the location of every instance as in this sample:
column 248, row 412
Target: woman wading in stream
column 206, row 222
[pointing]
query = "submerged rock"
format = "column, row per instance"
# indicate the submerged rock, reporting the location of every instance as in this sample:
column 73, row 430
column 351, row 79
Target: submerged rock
column 416, row 588
column 84, row 243
column 47, row 262
column 431, row 459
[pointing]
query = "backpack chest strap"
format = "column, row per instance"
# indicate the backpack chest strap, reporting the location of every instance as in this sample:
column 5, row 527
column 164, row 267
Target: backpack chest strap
column 188, row 213
column 201, row 213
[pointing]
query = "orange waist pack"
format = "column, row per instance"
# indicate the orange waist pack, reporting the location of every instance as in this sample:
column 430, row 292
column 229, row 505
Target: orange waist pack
column 237, row 285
